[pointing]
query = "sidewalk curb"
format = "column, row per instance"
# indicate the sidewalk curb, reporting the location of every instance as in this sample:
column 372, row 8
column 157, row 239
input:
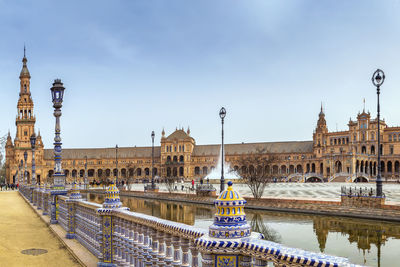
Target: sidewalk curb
column 60, row 238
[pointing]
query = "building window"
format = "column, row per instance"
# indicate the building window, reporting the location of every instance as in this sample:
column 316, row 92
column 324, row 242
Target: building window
column 25, row 133
column 363, row 137
column 355, row 137
column 391, row 150
column 394, row 137
column 390, row 138
column 335, row 141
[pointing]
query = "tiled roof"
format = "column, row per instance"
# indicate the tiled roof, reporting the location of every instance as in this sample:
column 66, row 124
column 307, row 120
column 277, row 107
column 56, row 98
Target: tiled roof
column 246, row 148
column 199, row 150
column 179, row 134
column 101, row 153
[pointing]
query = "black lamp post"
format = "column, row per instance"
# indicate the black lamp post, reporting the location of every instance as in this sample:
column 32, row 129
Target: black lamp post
column 58, row 188
column 57, row 93
column 152, row 160
column 222, row 114
column 377, row 79
column 33, row 146
column 116, row 165
column 25, row 181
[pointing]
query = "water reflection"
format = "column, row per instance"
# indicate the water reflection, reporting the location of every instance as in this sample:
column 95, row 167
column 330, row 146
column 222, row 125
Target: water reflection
column 258, row 225
column 298, row 230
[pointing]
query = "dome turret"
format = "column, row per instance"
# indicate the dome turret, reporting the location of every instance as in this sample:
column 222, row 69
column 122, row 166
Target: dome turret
column 112, row 199
column 230, row 219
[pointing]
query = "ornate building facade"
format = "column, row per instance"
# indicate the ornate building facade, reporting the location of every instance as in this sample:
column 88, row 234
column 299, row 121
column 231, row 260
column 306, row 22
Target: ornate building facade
column 331, row 156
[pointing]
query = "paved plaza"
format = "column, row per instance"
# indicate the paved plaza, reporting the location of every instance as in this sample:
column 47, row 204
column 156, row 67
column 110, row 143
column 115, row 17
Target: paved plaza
column 21, row 229
column 316, row 191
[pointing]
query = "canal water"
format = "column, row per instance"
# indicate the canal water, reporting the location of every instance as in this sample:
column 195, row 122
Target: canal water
column 366, row 242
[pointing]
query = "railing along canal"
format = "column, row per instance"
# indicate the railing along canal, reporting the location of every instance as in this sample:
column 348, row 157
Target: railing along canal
column 119, row 237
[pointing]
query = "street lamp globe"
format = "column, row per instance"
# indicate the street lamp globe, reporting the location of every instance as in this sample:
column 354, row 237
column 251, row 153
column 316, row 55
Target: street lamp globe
column 378, row 78
column 222, row 113
column 57, row 93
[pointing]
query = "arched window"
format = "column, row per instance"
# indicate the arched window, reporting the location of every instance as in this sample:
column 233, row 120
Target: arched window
column 139, row 172
column 363, row 150
column 181, row 158
column 372, row 149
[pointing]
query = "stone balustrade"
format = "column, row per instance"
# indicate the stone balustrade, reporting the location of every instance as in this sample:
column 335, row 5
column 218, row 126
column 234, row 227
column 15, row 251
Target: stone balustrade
column 119, row 237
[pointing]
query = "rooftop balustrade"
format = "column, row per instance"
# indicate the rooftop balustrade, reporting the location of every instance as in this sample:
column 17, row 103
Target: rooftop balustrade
column 119, row 237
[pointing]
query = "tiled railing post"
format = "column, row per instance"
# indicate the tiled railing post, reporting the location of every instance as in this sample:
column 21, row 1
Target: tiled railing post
column 161, row 248
column 147, row 246
column 141, row 257
column 177, row 251
column 154, row 246
column 168, row 246
column 45, row 203
column 34, row 196
column 136, row 244
column 111, row 203
column 74, row 197
column 195, row 254
column 185, row 252
column 53, row 209
column 117, row 241
column 40, row 198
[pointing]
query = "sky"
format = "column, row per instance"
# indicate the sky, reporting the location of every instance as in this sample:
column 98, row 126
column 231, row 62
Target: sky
column 130, row 67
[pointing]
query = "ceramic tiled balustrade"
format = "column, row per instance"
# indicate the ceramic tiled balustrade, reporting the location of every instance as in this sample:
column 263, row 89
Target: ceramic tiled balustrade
column 119, row 237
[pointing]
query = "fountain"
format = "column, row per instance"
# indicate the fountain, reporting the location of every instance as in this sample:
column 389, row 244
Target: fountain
column 229, row 173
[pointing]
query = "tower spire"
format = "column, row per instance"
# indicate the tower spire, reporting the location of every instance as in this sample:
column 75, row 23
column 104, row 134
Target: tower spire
column 24, row 50
column 364, row 105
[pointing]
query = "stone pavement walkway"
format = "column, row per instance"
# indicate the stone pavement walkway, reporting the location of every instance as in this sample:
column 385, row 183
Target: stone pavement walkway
column 21, row 229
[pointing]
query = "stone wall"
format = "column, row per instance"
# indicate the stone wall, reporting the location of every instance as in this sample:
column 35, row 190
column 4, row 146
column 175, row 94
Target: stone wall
column 363, row 201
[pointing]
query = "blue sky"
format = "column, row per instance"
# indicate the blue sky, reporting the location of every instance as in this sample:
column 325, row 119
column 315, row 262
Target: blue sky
column 130, row 67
